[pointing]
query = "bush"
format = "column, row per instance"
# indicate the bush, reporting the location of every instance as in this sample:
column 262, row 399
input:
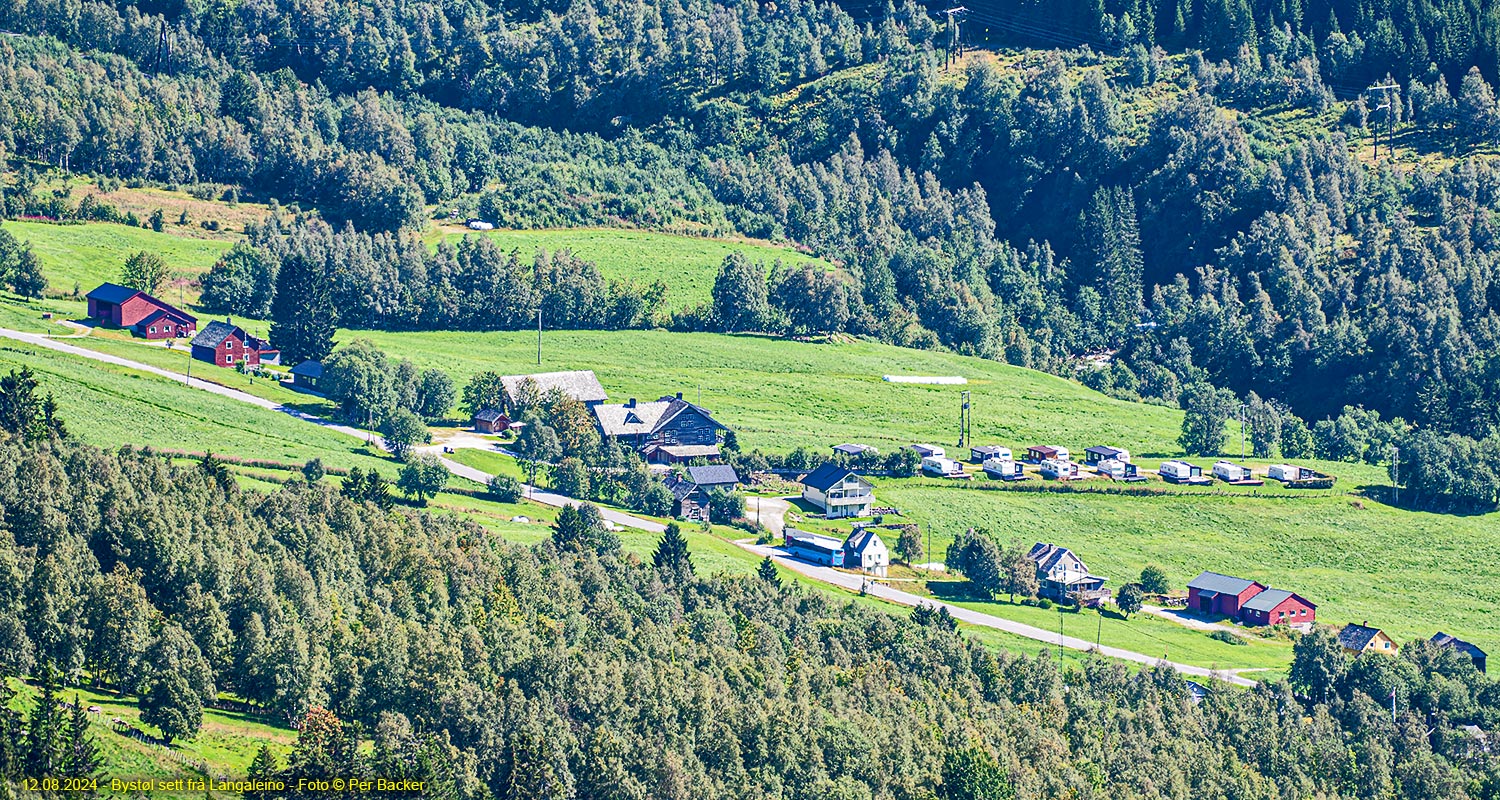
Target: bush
column 505, row 489
column 1044, row 604
column 1227, row 638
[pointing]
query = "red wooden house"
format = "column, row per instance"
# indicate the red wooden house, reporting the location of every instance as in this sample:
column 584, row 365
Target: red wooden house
column 227, row 344
column 124, row 307
column 1221, row 595
column 1278, row 607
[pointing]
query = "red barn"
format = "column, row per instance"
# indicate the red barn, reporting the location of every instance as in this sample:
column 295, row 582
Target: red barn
column 226, row 344
column 1278, row 607
column 124, row 307
column 1215, row 594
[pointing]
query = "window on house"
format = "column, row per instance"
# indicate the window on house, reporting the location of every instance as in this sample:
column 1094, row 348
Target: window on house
column 228, row 359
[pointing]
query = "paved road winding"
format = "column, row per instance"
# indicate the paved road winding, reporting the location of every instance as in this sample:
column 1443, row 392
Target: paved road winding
column 826, row 575
column 854, row 582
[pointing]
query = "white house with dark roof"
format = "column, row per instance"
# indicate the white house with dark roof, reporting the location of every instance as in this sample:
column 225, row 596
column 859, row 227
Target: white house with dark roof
column 1062, row 576
column 865, row 551
column 714, row 477
column 838, row 491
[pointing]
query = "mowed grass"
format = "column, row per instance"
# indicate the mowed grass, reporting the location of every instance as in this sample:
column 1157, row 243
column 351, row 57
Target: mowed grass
column 110, row 406
column 779, row 394
column 686, row 264
column 88, row 255
column 1409, row 573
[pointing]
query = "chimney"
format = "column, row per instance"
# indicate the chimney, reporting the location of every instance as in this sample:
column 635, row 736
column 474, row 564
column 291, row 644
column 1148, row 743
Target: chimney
column 630, row 404
column 679, row 395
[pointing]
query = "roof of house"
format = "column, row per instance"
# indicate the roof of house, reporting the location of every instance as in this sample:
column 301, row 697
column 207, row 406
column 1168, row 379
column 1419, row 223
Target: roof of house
column 681, row 488
column 581, row 385
column 169, row 313
column 117, row 294
column 112, row 293
column 1448, row 640
column 1045, row 449
column 1106, row 451
column 989, row 449
column 1357, row 637
column 1219, row 584
column 853, row 449
column 214, row 333
column 623, row 419
column 488, row 415
column 310, row 369
column 713, row 474
column 1049, row 556
column 861, row 540
column 682, row 451
column 829, row 475
column 1270, row 599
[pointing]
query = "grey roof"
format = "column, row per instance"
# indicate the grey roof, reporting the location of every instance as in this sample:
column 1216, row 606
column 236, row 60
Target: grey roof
column 1269, row 599
column 828, row 476
column 487, row 415
column 1357, row 637
column 309, row 369
column 853, row 449
column 581, row 385
column 1221, row 584
column 214, row 334
column 1105, row 451
column 1046, row 556
column 681, row 488
column 989, row 449
column 861, row 540
column 619, row 419
column 169, row 312
column 113, row 293
column 713, row 474
column 1449, row 640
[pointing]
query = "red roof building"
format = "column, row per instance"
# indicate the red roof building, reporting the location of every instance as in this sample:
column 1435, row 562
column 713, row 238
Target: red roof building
column 124, row 307
column 227, row 344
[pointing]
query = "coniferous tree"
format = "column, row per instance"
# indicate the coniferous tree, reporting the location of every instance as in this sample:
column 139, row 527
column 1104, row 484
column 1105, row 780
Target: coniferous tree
column 80, row 753
column 46, row 728
column 303, row 317
column 672, row 558
column 767, row 572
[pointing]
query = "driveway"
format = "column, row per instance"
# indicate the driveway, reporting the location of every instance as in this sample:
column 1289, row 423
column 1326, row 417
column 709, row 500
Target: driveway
column 854, row 582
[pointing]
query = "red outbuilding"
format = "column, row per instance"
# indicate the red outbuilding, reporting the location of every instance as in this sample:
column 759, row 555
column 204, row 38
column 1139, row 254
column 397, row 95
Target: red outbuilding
column 1278, row 607
column 1220, row 595
column 124, row 307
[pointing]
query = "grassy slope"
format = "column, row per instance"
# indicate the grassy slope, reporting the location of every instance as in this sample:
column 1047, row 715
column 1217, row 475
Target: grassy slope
column 88, row 255
column 687, row 264
column 779, row 394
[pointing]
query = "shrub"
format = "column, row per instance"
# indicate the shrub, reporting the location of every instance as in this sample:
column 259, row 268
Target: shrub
column 505, row 489
column 1044, row 604
column 1227, row 638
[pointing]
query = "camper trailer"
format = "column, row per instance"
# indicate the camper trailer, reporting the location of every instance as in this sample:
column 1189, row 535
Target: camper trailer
column 1003, row 469
column 940, row 467
column 929, row 451
column 1118, row 470
column 1180, row 472
column 1231, row 472
column 1059, row 469
column 1283, row 472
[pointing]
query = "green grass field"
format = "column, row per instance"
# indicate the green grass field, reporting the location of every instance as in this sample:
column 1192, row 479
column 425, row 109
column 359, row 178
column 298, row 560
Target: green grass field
column 779, row 394
column 686, row 264
column 87, row 255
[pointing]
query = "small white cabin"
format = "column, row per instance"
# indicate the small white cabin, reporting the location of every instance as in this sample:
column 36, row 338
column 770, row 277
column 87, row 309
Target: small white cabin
column 1231, row 472
column 1059, row 469
column 940, row 467
column 1004, row 469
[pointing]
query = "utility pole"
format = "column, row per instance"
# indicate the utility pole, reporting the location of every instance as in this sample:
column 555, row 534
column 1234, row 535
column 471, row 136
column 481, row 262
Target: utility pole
column 1396, row 476
column 539, row 334
column 1242, row 431
column 955, row 33
column 1059, row 635
column 963, row 419
column 1390, row 120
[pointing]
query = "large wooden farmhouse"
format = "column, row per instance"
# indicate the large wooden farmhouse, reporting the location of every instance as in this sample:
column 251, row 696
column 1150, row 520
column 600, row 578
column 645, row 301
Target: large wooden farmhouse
column 667, row 431
column 226, row 344
column 142, row 314
column 527, row 390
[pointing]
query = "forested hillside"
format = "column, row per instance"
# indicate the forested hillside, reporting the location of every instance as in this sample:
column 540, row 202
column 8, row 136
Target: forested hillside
column 1187, row 200
column 571, row 670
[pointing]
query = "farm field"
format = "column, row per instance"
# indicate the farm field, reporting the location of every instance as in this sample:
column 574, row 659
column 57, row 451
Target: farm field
column 109, row 406
column 779, row 394
column 89, row 254
column 686, row 264
column 1410, row 573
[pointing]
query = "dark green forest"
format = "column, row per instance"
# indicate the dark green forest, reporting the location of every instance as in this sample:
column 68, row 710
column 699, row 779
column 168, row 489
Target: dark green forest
column 570, row 669
column 1119, row 195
